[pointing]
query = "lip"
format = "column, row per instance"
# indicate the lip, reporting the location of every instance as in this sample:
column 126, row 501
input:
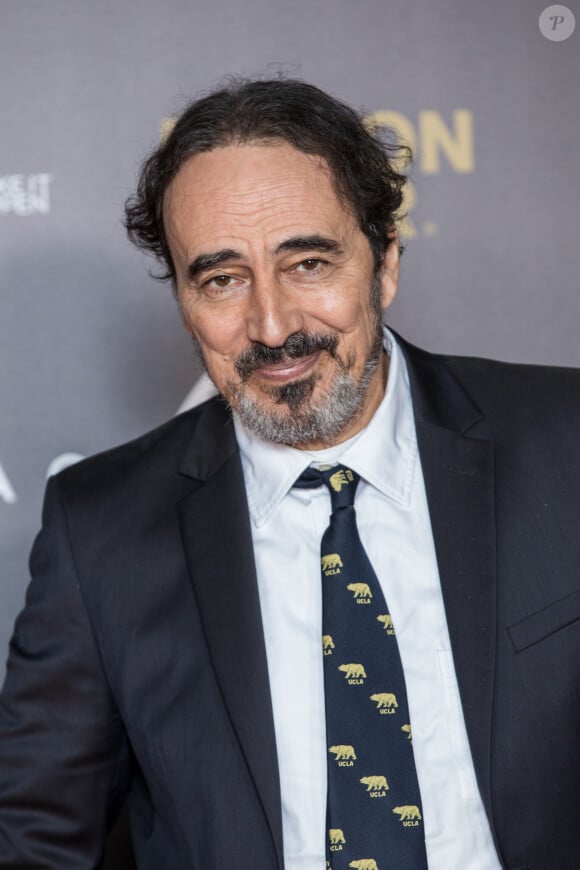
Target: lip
column 289, row 370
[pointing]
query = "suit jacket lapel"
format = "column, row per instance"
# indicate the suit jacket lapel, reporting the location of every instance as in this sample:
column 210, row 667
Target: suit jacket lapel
column 217, row 539
column 458, row 472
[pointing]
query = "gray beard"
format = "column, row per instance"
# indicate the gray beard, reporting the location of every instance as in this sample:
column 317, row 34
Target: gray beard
column 305, row 422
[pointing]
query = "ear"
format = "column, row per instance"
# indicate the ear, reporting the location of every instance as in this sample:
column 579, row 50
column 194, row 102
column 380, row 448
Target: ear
column 390, row 270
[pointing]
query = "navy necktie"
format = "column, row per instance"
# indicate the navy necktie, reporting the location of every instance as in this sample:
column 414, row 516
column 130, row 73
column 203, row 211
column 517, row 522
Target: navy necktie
column 374, row 816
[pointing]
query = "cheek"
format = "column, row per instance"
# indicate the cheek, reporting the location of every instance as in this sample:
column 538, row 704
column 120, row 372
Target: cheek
column 353, row 318
column 220, row 343
column 218, row 361
column 218, row 336
column 219, row 366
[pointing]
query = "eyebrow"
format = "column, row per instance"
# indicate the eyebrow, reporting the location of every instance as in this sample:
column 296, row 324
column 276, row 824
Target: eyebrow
column 203, row 262
column 209, row 261
column 309, row 243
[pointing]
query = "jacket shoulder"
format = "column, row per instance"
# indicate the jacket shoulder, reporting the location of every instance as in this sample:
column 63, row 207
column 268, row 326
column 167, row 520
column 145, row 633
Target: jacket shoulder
column 518, row 389
column 497, row 398
column 140, row 462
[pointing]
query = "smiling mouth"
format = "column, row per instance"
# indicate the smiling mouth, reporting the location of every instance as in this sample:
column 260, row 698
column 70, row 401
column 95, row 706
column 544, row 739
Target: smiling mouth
column 287, row 370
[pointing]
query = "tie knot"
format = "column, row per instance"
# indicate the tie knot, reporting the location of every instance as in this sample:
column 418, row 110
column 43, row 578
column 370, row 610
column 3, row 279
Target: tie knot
column 340, row 481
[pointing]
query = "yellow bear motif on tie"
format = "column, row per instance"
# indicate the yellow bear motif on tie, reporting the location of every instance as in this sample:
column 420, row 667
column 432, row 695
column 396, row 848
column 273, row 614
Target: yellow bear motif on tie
column 331, row 564
column 387, row 621
column 375, row 783
column 343, row 752
column 353, row 671
column 361, row 591
column 407, row 813
column 384, row 699
column 340, row 478
column 364, row 864
column 336, row 836
column 327, row 644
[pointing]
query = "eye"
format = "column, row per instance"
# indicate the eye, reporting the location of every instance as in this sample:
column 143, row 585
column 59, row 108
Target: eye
column 310, row 265
column 221, row 286
column 220, row 281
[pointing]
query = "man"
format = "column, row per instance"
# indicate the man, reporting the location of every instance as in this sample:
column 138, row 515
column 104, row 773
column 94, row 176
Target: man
column 170, row 647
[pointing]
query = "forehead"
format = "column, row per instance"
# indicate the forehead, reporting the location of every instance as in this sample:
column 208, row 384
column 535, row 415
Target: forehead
column 258, row 190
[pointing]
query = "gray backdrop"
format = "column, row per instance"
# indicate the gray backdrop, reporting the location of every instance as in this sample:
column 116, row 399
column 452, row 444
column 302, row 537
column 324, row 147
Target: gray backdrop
column 91, row 348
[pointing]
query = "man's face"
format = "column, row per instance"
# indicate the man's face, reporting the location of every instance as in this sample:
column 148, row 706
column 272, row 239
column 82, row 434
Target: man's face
column 277, row 283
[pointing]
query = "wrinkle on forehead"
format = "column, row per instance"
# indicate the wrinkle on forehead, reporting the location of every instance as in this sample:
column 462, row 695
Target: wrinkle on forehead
column 249, row 176
column 266, row 203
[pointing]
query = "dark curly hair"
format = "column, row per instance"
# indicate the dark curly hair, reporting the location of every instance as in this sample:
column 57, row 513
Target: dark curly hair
column 364, row 167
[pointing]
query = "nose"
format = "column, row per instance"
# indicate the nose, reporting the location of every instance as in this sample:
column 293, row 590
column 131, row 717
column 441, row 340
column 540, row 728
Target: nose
column 273, row 314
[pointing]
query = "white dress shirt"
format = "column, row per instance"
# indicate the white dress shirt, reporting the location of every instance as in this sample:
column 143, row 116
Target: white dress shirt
column 394, row 525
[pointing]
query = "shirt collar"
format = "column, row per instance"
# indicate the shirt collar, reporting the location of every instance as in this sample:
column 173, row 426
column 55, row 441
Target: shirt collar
column 384, row 453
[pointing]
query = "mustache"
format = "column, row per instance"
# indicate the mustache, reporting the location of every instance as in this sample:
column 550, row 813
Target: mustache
column 297, row 345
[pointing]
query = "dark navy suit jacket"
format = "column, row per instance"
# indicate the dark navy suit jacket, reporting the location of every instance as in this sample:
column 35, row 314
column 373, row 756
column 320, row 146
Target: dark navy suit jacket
column 138, row 666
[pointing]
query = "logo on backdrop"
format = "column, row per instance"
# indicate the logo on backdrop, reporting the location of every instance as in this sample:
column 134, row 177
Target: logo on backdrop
column 435, row 143
column 25, row 195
